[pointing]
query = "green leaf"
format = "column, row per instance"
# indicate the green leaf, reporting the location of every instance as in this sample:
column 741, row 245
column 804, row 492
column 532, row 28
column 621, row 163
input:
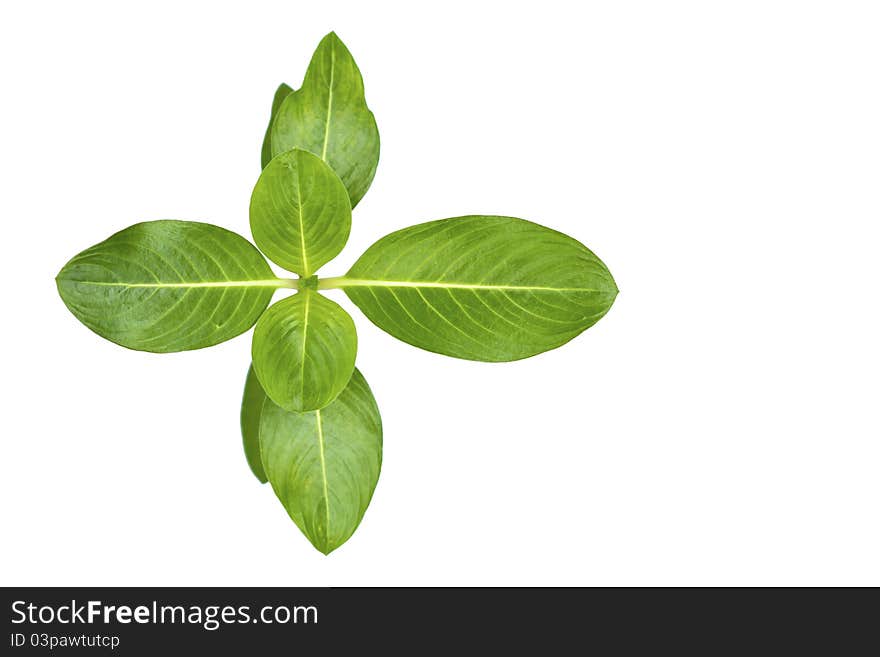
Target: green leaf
column 481, row 287
column 304, row 350
column 282, row 92
column 328, row 116
column 300, row 213
column 251, row 409
column 324, row 465
column 169, row 286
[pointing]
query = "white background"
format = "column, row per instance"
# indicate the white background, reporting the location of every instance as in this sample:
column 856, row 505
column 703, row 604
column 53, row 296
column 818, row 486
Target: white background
column 719, row 426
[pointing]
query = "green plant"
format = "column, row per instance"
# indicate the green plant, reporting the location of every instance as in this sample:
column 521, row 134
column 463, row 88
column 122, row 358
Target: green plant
column 484, row 288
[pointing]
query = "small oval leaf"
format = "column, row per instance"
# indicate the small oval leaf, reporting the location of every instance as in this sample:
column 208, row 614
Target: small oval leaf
column 324, row 465
column 304, row 351
column 168, row 286
column 480, row 287
column 251, row 409
column 300, row 213
column 329, row 116
column 282, row 92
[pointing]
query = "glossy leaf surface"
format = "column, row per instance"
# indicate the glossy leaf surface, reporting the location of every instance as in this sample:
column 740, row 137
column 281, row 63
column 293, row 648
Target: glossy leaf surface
column 304, row 351
column 300, row 213
column 324, row 465
column 251, row 409
column 480, row 287
column 328, row 116
column 168, row 286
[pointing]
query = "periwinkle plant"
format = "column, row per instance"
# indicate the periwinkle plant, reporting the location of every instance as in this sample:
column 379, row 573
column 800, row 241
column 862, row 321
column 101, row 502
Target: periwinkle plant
column 484, row 288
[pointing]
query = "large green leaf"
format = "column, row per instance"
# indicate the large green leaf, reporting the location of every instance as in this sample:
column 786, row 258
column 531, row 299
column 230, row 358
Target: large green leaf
column 304, row 351
column 481, row 287
column 169, row 286
column 328, row 116
column 282, row 92
column 300, row 213
column 324, row 465
column 251, row 409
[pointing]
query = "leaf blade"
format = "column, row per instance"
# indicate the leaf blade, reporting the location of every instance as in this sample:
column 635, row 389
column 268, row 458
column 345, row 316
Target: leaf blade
column 251, row 409
column 304, row 351
column 166, row 286
column 282, row 92
column 300, row 214
column 324, row 465
column 480, row 287
column 329, row 117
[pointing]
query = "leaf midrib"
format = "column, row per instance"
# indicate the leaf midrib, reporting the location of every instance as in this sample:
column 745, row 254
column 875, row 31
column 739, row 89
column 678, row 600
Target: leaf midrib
column 329, row 100
column 320, row 427
column 256, row 283
column 343, row 282
column 302, row 227
column 303, row 346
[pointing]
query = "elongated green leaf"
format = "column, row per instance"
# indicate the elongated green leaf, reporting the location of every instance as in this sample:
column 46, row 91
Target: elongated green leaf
column 328, row 116
column 282, row 92
column 304, row 350
column 481, row 287
column 300, row 213
column 168, row 286
column 324, row 465
column 251, row 410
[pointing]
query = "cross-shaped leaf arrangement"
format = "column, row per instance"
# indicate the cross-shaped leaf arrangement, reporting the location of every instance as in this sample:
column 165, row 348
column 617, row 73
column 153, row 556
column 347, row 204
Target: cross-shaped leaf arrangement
column 485, row 288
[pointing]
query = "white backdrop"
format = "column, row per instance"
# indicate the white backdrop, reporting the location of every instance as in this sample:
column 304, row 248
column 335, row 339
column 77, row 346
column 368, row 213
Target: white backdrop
column 719, row 426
